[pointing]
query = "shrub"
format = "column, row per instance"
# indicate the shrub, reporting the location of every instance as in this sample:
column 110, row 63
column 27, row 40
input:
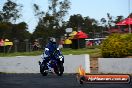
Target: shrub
column 117, row 45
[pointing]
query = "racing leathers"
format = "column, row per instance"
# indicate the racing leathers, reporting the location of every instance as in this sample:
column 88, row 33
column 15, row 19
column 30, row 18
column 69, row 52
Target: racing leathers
column 50, row 52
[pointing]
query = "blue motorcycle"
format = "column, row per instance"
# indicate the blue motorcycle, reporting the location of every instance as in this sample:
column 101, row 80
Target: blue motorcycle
column 55, row 62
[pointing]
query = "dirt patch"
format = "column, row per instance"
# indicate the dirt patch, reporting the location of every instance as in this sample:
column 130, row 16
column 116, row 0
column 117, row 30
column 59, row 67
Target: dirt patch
column 129, row 57
column 94, row 65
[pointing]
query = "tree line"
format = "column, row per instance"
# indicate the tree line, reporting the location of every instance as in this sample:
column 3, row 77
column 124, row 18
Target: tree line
column 51, row 22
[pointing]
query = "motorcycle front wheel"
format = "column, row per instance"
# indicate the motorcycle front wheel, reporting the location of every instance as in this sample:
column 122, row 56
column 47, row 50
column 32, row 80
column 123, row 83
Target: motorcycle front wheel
column 43, row 70
column 59, row 69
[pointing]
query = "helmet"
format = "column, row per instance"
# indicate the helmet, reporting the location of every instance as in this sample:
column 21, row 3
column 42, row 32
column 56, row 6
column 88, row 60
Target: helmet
column 52, row 40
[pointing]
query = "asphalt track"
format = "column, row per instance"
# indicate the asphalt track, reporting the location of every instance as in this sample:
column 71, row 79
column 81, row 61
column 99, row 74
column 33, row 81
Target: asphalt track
column 50, row 81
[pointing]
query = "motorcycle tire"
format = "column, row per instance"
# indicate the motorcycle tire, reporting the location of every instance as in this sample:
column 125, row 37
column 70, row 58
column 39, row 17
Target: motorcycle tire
column 43, row 70
column 59, row 69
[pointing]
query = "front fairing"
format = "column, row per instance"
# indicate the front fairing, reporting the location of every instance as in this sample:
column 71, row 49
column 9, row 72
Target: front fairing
column 55, row 60
column 58, row 58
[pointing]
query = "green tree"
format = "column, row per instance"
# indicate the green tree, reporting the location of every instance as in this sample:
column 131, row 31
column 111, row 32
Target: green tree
column 103, row 21
column 19, row 31
column 75, row 21
column 37, row 12
column 10, row 11
column 5, row 30
column 58, row 9
column 50, row 22
column 110, row 20
column 8, row 28
column 86, row 24
column 109, row 23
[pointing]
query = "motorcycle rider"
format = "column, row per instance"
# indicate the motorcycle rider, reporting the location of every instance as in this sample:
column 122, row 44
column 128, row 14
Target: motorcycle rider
column 50, row 48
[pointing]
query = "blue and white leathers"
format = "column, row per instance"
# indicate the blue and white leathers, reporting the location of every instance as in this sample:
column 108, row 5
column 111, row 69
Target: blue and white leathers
column 51, row 51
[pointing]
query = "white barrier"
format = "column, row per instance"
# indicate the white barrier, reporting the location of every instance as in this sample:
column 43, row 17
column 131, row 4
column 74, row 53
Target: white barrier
column 29, row 64
column 23, row 64
column 72, row 63
column 115, row 65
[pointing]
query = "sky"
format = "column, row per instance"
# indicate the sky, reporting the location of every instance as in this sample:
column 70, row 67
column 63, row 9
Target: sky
column 96, row 9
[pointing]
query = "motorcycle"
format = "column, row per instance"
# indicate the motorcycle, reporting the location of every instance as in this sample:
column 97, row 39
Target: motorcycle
column 55, row 62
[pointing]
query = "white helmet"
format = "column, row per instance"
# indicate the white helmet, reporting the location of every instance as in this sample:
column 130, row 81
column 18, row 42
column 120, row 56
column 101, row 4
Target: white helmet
column 53, row 40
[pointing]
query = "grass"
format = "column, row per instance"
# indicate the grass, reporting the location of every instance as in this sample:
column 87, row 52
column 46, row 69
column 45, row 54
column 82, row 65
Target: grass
column 33, row 53
column 91, row 52
column 80, row 51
